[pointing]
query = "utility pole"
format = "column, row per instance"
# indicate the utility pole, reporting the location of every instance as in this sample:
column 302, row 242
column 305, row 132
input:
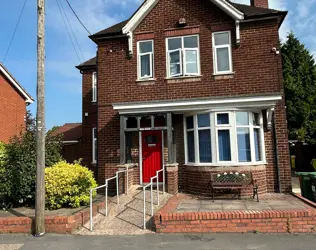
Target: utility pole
column 40, row 123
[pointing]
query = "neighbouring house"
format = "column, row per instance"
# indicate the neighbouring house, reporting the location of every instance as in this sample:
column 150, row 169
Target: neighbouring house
column 13, row 102
column 193, row 84
column 71, row 134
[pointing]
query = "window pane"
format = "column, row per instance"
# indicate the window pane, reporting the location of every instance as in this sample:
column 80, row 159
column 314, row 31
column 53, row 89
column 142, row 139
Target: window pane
column 190, row 42
column 205, row 146
column 94, row 133
column 222, row 119
column 174, row 43
column 224, row 145
column 190, row 122
column 191, row 61
column 257, row 144
column 203, row 120
column 175, row 67
column 145, row 47
column 191, row 152
column 242, row 118
column 243, row 140
column 256, row 119
column 221, row 38
column 145, row 65
column 222, row 59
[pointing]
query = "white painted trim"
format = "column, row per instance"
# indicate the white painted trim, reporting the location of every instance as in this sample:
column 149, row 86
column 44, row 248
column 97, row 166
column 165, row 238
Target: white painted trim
column 259, row 102
column 70, row 142
column 94, row 153
column 140, row 142
column 237, row 31
column 28, row 98
column 94, row 87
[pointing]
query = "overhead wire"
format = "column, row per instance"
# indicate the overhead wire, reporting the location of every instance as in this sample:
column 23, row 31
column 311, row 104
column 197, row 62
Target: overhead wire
column 73, row 33
column 72, row 42
column 78, row 17
column 14, row 32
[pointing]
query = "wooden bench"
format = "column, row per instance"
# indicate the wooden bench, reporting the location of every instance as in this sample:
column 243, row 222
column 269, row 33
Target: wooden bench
column 233, row 181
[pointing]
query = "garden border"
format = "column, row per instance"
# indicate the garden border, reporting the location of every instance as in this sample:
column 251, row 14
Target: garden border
column 53, row 224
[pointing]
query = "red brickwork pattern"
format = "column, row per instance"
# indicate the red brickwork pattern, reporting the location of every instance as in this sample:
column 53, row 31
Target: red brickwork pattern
column 13, row 111
column 272, row 221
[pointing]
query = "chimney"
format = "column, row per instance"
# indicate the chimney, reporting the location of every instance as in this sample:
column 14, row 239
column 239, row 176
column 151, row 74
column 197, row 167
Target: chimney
column 260, row 3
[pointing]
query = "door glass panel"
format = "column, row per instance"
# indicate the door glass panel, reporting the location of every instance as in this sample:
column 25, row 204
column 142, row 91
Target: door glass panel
column 151, row 139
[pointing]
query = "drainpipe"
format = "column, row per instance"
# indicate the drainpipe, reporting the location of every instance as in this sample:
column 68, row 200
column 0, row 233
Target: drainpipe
column 275, row 142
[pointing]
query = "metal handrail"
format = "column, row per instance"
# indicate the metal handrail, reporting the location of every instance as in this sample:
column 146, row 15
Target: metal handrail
column 106, row 185
column 151, row 193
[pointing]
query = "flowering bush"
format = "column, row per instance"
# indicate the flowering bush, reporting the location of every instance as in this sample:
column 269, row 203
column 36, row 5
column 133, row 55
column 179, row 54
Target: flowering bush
column 68, row 185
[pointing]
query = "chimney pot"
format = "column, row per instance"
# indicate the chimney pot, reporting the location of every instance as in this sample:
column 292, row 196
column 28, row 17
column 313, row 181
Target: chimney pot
column 260, row 3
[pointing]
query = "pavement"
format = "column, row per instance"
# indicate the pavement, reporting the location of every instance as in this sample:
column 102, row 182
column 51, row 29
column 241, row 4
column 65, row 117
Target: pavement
column 159, row 241
column 268, row 202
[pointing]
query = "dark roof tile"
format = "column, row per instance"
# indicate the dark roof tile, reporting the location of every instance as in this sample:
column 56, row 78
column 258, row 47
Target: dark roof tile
column 88, row 64
column 69, row 132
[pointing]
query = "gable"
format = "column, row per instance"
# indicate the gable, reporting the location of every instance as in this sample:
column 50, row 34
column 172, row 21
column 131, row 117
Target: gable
column 28, row 99
column 149, row 5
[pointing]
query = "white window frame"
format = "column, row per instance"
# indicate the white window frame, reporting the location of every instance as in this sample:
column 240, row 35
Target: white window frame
column 232, row 127
column 94, row 140
column 94, row 87
column 151, row 58
column 182, row 53
column 215, row 47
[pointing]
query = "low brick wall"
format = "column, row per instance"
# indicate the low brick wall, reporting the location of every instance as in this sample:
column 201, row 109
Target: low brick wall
column 53, row 224
column 198, row 178
column 269, row 221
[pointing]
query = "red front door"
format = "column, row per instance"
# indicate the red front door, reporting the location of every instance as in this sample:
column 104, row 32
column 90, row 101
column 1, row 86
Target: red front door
column 152, row 154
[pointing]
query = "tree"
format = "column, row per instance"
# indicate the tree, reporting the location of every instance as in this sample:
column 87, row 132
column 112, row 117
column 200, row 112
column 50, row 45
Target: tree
column 299, row 73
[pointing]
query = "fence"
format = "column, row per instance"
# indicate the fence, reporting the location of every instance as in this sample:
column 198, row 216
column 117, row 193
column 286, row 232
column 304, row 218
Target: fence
column 106, row 186
column 151, row 193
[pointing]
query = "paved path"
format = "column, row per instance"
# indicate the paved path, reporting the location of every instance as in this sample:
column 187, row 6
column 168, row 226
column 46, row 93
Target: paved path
column 156, row 241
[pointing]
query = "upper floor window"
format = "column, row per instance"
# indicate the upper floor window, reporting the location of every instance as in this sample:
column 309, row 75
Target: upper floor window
column 94, row 87
column 183, row 56
column 222, row 54
column 145, row 59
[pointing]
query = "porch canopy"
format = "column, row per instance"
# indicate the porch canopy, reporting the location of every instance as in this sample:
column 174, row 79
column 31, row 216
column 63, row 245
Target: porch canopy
column 165, row 108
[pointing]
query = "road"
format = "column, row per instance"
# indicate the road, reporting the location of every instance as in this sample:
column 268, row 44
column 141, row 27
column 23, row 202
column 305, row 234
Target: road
column 156, row 241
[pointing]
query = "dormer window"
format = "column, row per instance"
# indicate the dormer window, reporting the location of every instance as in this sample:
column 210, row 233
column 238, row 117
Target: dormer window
column 183, row 56
column 145, row 59
column 222, row 53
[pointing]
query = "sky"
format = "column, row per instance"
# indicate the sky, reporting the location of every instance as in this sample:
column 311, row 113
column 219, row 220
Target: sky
column 63, row 80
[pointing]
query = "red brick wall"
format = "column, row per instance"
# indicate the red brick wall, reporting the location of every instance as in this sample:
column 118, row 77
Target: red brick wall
column 90, row 121
column 257, row 71
column 13, row 111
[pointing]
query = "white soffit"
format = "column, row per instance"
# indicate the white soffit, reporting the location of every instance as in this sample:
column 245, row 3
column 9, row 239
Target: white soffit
column 259, row 102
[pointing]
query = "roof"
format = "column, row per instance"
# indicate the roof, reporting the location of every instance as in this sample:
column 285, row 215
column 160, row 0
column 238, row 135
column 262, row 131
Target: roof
column 249, row 12
column 71, row 132
column 252, row 11
column 91, row 63
column 27, row 97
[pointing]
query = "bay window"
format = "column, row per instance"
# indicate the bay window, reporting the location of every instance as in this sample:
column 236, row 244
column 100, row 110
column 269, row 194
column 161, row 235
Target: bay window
column 183, row 56
column 222, row 52
column 224, row 138
column 145, row 59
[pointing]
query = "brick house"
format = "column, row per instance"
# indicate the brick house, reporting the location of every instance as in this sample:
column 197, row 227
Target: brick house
column 194, row 84
column 13, row 102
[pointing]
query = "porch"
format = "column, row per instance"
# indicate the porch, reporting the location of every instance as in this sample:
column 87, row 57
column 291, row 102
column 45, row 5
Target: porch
column 275, row 213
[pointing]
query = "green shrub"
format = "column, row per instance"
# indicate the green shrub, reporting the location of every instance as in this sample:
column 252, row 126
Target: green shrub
column 20, row 167
column 68, row 185
column 3, row 161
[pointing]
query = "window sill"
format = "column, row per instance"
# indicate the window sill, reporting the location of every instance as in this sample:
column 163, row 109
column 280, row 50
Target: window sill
column 223, row 76
column 183, row 79
column 147, row 81
column 226, row 164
